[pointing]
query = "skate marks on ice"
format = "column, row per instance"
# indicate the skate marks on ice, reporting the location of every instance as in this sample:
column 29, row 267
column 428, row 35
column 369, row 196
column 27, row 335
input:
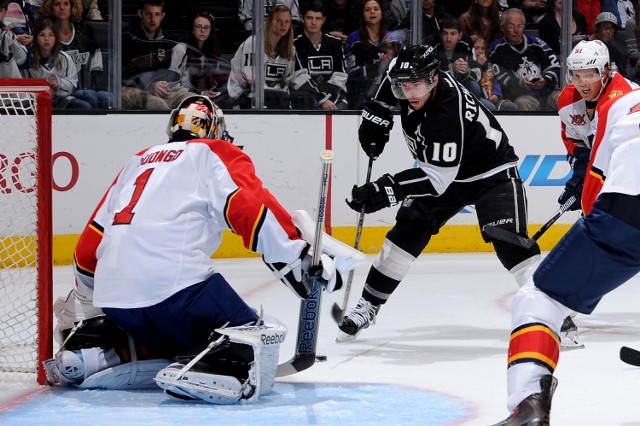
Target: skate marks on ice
column 289, row 404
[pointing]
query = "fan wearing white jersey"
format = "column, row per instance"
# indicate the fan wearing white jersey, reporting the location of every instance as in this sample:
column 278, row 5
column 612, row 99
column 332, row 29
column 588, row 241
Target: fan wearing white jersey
column 144, row 260
column 598, row 254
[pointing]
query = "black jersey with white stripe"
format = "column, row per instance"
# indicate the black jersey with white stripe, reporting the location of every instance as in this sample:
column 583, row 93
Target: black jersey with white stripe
column 453, row 138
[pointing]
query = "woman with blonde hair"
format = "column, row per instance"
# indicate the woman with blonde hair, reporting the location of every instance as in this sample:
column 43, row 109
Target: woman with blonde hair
column 79, row 41
column 284, row 88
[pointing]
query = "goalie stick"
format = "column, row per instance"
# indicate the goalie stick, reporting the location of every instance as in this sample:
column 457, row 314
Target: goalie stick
column 630, row 356
column 306, row 340
column 337, row 312
column 510, row 237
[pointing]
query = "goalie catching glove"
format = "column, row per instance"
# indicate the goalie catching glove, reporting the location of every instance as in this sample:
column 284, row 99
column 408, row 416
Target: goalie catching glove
column 373, row 133
column 374, row 196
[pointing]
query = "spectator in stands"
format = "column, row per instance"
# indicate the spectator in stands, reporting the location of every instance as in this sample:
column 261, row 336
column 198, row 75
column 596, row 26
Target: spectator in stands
column 482, row 19
column 79, row 42
column 48, row 61
column 533, row 10
column 395, row 11
column 482, row 71
column 590, row 9
column 626, row 12
column 20, row 19
column 432, row 13
column 284, row 86
column 12, row 52
column 526, row 67
column 549, row 26
column 90, row 10
column 455, row 7
column 199, row 63
column 340, row 20
column 607, row 32
column 632, row 37
column 455, row 53
column 245, row 12
column 368, row 52
column 146, row 57
column 323, row 57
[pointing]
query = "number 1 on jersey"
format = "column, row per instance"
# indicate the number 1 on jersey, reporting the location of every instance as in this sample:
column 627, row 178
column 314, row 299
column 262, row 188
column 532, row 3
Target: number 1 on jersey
column 125, row 216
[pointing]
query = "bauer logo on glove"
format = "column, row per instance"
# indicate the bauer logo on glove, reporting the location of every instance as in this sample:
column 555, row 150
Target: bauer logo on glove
column 374, row 196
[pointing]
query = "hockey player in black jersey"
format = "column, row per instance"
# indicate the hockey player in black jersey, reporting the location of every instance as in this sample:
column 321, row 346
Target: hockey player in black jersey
column 463, row 156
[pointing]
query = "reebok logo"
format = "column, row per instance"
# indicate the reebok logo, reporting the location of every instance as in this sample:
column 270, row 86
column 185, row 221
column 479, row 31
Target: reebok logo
column 375, row 119
column 271, row 339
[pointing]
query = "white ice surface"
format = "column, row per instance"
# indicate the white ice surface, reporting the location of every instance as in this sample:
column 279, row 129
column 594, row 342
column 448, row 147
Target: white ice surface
column 445, row 330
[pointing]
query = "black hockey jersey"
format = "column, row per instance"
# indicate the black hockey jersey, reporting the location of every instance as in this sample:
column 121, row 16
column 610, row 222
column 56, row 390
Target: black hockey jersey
column 145, row 61
column 453, row 139
column 533, row 58
column 325, row 64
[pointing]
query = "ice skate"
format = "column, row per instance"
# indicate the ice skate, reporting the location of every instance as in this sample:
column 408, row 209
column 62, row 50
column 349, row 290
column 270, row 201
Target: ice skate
column 361, row 317
column 534, row 410
column 569, row 335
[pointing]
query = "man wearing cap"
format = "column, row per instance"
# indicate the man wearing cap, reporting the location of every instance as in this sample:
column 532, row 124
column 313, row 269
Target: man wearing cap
column 606, row 30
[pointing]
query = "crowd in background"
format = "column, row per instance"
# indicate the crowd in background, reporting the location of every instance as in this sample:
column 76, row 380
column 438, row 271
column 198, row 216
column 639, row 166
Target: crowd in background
column 317, row 54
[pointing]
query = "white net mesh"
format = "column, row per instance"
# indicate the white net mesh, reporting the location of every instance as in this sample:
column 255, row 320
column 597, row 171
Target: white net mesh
column 18, row 234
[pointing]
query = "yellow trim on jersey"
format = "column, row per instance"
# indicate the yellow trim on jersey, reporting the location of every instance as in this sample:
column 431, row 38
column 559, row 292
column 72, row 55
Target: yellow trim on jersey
column 532, row 355
column 544, row 329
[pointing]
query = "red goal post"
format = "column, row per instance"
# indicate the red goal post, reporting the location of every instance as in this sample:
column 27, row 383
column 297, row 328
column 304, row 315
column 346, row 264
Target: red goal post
column 26, row 281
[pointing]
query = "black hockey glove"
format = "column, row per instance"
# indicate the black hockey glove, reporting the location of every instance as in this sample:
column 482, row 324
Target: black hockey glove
column 374, row 196
column 579, row 162
column 377, row 122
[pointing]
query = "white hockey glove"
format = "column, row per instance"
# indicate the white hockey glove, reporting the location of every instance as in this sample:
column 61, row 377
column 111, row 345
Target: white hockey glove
column 297, row 274
column 77, row 306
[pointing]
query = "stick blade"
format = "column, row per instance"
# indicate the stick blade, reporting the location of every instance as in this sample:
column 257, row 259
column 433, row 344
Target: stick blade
column 296, row 364
column 630, row 356
column 337, row 313
column 508, row 237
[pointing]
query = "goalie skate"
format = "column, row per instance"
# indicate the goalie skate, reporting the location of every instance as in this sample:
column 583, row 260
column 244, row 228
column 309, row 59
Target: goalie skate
column 569, row 335
column 361, row 317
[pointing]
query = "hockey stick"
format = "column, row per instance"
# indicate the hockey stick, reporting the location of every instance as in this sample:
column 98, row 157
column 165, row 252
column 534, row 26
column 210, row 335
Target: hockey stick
column 305, row 353
column 630, row 356
column 510, row 237
column 337, row 312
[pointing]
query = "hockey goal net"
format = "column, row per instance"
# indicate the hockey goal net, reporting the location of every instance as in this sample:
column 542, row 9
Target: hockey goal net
column 25, row 228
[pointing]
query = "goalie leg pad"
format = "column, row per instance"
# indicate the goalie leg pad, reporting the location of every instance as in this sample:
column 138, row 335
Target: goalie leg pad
column 239, row 366
column 128, row 376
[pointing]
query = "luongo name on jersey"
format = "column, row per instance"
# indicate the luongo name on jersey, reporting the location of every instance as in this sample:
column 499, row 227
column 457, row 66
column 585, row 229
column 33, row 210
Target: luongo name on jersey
column 453, row 137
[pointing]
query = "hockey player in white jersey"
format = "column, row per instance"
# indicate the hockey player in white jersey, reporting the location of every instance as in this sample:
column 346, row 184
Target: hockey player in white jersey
column 598, row 254
column 148, row 303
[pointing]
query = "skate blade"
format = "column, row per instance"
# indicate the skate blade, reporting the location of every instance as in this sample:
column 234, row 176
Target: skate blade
column 344, row 337
column 569, row 343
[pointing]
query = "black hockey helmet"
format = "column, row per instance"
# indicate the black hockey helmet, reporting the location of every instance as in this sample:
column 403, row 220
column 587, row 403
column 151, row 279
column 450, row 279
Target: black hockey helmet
column 414, row 63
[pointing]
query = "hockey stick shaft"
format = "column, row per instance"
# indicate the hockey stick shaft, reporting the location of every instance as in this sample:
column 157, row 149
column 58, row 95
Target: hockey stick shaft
column 337, row 312
column 630, row 356
column 510, row 237
column 306, row 340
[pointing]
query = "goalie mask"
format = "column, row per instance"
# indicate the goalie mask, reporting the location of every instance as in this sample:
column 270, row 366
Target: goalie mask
column 197, row 117
column 416, row 64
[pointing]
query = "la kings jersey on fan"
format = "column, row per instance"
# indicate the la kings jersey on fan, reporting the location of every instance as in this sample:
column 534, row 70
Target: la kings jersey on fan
column 326, row 65
column 531, row 59
column 453, row 138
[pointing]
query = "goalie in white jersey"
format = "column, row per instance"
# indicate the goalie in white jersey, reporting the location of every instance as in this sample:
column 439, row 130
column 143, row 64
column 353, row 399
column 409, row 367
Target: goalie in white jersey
column 144, row 261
